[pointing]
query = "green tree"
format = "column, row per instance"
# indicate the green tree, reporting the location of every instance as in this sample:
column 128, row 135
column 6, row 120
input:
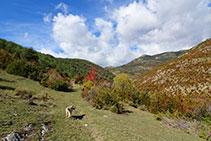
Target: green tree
column 29, row 54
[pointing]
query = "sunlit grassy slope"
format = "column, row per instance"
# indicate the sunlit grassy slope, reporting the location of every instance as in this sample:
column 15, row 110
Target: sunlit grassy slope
column 15, row 113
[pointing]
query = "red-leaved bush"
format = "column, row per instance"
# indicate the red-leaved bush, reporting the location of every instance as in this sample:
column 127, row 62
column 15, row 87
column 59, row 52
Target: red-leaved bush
column 91, row 75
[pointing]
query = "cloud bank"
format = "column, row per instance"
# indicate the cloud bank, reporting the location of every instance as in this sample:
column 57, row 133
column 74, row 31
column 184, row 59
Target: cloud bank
column 149, row 27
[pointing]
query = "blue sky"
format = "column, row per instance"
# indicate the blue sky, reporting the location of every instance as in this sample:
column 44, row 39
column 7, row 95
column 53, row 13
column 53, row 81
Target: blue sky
column 107, row 32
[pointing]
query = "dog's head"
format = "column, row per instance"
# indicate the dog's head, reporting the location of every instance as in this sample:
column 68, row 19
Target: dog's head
column 73, row 107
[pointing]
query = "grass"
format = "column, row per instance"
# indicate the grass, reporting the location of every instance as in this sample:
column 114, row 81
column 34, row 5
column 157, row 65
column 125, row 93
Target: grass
column 98, row 125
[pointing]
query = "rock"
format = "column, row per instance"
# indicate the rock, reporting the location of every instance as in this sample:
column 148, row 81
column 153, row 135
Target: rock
column 32, row 103
column 44, row 130
column 183, row 124
column 28, row 128
column 168, row 121
column 105, row 116
column 41, row 139
column 14, row 136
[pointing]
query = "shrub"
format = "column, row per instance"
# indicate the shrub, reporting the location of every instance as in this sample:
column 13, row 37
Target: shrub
column 105, row 95
column 79, row 79
column 106, row 99
column 22, row 69
column 124, row 89
column 59, row 86
column 114, row 109
column 91, row 75
column 88, row 85
column 23, row 93
column 29, row 54
column 5, row 58
column 191, row 106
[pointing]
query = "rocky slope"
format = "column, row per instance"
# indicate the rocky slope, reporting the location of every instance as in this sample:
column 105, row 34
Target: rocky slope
column 189, row 73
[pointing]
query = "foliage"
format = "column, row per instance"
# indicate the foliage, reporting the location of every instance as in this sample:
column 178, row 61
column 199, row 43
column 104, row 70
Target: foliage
column 91, row 75
column 23, row 93
column 56, row 80
column 23, row 69
column 59, row 86
column 5, row 58
column 122, row 80
column 105, row 95
column 191, row 106
column 181, row 86
column 29, row 54
column 72, row 67
column 124, row 89
column 106, row 99
column 89, row 84
column 78, row 79
column 34, row 65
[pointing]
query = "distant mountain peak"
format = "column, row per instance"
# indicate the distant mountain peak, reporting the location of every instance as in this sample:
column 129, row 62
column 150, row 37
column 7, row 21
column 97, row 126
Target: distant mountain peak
column 144, row 63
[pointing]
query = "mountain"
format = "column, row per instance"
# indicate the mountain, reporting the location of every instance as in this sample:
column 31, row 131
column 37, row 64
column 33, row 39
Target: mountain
column 187, row 73
column 144, row 63
column 183, row 84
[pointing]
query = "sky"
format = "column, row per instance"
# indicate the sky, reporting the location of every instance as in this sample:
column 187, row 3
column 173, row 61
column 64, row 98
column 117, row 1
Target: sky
column 106, row 32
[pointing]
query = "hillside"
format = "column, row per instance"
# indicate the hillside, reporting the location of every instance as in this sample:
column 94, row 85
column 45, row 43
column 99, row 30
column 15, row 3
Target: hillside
column 144, row 63
column 11, row 52
column 186, row 74
column 181, row 85
column 21, row 112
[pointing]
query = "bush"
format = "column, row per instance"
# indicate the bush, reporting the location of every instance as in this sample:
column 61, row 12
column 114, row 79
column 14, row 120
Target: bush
column 105, row 95
column 79, row 79
column 5, row 59
column 24, row 94
column 114, row 109
column 89, row 84
column 29, row 54
column 59, row 86
column 23, row 69
column 191, row 106
column 124, row 89
column 104, row 98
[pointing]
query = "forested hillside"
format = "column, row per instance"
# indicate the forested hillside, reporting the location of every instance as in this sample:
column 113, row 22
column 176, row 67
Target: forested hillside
column 51, row 72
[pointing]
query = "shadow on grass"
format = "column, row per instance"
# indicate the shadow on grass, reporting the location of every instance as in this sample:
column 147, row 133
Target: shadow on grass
column 7, row 88
column 5, row 80
column 127, row 112
column 80, row 117
column 71, row 90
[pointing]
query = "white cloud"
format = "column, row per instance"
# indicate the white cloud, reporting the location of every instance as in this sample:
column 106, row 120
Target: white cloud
column 26, row 35
column 163, row 25
column 62, row 6
column 152, row 27
column 73, row 36
column 47, row 18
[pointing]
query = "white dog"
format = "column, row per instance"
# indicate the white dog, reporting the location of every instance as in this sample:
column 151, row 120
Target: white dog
column 69, row 111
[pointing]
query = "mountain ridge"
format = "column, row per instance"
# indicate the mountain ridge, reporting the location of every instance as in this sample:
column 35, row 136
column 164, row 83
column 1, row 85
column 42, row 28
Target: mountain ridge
column 145, row 63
